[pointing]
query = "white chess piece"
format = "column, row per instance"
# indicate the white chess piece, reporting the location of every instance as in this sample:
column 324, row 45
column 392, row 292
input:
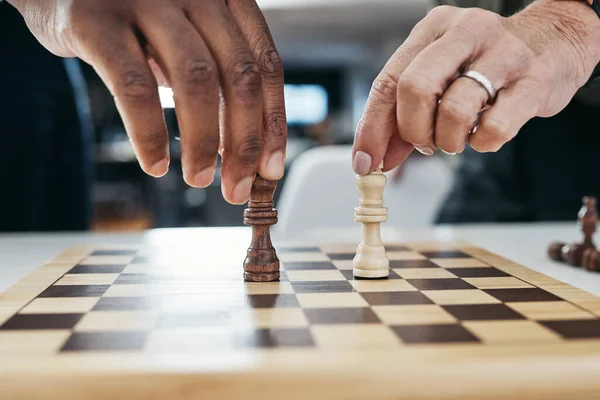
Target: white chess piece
column 371, row 259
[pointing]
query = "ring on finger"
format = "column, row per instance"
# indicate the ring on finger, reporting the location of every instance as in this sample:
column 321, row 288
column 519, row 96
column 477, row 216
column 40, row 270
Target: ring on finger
column 484, row 81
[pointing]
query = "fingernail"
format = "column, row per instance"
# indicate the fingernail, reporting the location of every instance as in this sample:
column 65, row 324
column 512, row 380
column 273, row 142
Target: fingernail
column 275, row 167
column 448, row 153
column 241, row 193
column 426, row 151
column 362, row 163
column 204, row 178
column 159, row 169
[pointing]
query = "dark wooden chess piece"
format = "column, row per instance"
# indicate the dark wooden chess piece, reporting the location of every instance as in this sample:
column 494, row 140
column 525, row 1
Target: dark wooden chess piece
column 588, row 220
column 261, row 264
column 591, row 259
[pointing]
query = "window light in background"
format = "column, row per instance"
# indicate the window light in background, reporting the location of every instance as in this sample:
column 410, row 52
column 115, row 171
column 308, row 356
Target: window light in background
column 305, row 104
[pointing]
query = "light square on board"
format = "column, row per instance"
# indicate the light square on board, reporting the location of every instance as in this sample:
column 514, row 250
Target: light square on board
column 60, row 305
column 116, row 321
column 343, row 265
column 302, row 257
column 459, row 262
column 204, row 340
column 107, row 260
column 35, row 343
column 269, row 318
column 511, row 331
column 420, row 314
column 393, row 285
column 193, row 319
column 315, row 275
column 87, row 279
column 468, row 296
column 424, row 273
column 354, row 336
column 501, row 282
column 550, row 310
column 331, row 300
column 268, row 288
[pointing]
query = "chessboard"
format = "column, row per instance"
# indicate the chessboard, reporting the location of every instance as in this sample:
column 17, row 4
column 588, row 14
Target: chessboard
column 450, row 321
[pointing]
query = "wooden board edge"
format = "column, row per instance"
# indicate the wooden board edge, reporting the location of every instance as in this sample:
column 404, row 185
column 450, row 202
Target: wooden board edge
column 373, row 377
column 26, row 289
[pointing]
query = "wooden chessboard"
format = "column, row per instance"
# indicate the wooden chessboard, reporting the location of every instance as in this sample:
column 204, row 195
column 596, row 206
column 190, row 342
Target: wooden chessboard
column 451, row 321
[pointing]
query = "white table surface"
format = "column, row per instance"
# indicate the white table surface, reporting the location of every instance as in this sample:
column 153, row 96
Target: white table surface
column 525, row 244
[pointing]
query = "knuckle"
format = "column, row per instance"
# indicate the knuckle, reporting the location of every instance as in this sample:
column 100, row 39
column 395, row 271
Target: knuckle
column 270, row 63
column 417, row 88
column 384, row 89
column 135, row 85
column 198, row 72
column 275, row 125
column 249, row 149
column 244, row 75
column 498, row 130
column 441, row 11
column 455, row 109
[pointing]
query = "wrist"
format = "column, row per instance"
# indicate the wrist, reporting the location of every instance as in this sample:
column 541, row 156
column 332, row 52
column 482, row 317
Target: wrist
column 577, row 25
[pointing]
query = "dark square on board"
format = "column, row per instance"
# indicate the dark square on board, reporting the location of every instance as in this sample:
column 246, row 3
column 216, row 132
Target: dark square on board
column 270, row 338
column 341, row 256
column 440, row 284
column 445, row 254
column 482, row 312
column 490, row 272
column 322, row 287
column 421, row 334
column 105, row 341
column 412, row 264
column 306, row 266
column 524, row 294
column 41, row 321
column 74, row 291
column 272, row 300
column 358, row 315
column 114, row 253
column 298, row 250
column 395, row 298
column 576, row 329
column 97, row 269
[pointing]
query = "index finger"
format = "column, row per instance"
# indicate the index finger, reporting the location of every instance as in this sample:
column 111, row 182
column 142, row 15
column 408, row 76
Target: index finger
column 378, row 123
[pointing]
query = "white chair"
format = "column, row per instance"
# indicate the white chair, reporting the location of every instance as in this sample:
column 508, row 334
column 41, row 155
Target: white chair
column 320, row 192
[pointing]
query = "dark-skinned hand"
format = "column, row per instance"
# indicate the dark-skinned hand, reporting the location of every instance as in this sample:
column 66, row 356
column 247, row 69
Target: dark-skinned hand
column 220, row 60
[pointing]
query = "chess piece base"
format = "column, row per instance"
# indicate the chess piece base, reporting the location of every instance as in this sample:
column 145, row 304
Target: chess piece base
column 370, row 273
column 370, row 262
column 263, row 277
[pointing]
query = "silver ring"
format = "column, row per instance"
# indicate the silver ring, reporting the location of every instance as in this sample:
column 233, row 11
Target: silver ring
column 484, row 82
